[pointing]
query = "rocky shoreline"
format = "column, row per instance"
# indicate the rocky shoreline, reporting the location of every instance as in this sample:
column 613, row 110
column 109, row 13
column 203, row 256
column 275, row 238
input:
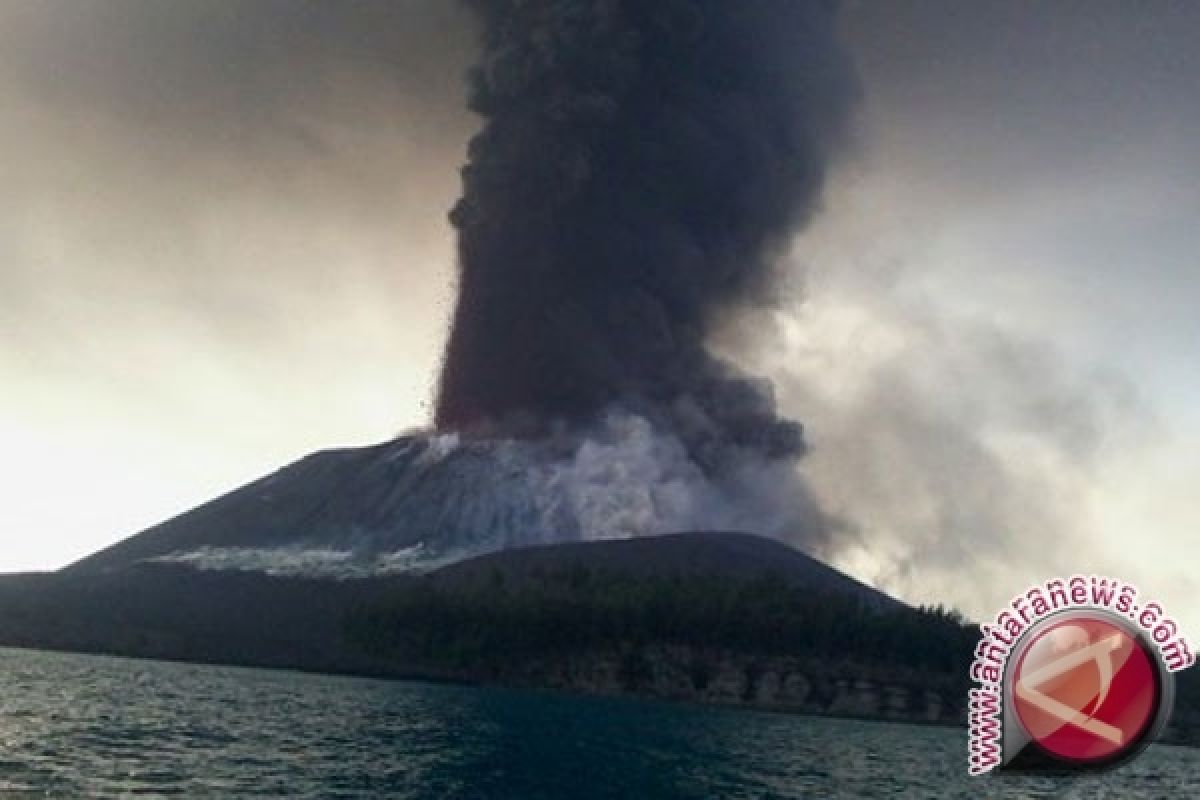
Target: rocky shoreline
column 784, row 685
column 685, row 674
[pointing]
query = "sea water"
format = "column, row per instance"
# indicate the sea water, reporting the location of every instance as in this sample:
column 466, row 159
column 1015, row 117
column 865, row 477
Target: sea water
column 77, row 726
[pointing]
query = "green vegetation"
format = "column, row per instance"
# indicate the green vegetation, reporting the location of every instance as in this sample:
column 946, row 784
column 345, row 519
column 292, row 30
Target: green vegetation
column 498, row 623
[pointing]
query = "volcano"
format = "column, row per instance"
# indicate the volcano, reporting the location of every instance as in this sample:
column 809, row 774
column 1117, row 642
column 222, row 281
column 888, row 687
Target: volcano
column 425, row 500
column 638, row 170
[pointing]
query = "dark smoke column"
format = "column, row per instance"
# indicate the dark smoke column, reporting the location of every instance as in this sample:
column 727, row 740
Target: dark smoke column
column 639, row 164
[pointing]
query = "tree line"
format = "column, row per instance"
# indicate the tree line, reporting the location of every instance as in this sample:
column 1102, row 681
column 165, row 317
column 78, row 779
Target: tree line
column 580, row 609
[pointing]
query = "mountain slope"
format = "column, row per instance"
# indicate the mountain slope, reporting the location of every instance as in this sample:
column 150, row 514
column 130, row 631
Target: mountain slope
column 729, row 555
column 430, row 498
column 246, row 617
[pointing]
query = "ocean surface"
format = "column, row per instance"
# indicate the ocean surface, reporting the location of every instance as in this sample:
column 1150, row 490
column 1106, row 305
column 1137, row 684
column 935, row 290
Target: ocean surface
column 86, row 726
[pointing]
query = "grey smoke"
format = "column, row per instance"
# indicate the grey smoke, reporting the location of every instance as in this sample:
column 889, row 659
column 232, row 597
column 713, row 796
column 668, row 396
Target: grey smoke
column 944, row 444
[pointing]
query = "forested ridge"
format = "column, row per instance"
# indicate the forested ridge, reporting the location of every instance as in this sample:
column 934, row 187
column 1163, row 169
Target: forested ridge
column 582, row 608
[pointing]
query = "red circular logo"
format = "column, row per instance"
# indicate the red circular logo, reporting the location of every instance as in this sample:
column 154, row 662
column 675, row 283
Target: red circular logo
column 1086, row 690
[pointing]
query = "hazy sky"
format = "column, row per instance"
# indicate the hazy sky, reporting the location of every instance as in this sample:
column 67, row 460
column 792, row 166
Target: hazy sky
column 223, row 245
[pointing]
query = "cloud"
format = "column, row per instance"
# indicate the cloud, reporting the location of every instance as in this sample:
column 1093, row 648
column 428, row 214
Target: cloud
column 962, row 459
column 223, row 243
column 990, row 353
column 210, row 193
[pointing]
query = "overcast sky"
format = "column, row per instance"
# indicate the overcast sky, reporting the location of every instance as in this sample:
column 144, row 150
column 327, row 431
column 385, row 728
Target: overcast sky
column 223, row 245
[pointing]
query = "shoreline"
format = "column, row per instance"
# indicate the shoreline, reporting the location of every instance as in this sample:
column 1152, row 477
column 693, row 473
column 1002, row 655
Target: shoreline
column 1174, row 737
column 420, row 677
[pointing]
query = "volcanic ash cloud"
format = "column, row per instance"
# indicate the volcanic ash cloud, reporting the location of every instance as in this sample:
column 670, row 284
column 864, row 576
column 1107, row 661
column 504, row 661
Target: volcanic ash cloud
column 638, row 167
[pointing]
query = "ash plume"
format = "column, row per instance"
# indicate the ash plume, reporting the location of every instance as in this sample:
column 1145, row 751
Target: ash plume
column 638, row 166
